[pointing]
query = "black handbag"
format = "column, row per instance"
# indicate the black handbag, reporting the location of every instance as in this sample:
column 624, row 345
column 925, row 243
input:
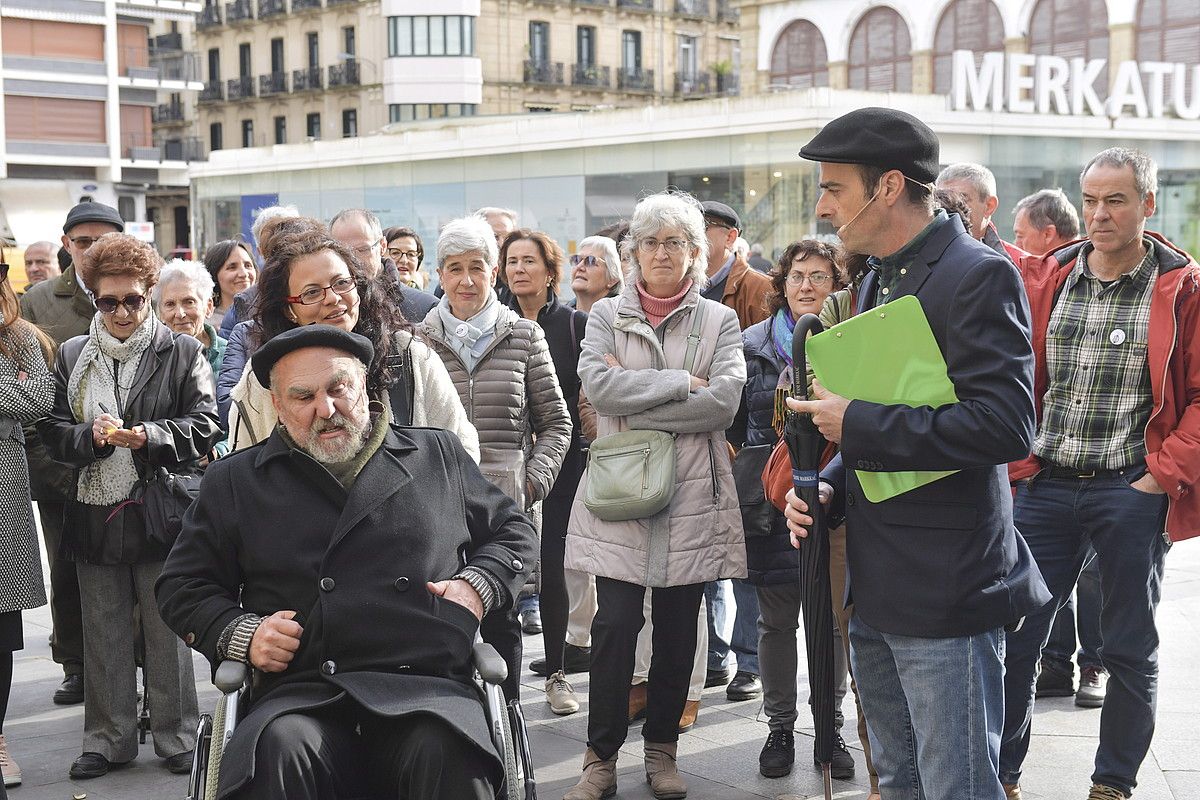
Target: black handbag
column 757, row 511
column 165, row 497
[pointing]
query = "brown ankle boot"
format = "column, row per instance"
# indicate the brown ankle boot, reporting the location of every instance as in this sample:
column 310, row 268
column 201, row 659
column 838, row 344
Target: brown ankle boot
column 599, row 779
column 661, row 773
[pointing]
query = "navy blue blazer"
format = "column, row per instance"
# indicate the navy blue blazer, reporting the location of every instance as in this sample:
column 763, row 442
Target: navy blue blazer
column 944, row 560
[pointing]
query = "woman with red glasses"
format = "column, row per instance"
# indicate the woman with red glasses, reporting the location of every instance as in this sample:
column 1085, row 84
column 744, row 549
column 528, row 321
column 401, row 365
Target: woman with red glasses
column 132, row 399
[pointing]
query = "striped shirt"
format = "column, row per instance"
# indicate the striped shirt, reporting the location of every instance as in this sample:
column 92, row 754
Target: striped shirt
column 1098, row 399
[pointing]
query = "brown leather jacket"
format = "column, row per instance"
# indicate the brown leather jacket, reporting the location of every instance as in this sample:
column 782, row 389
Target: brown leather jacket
column 746, row 291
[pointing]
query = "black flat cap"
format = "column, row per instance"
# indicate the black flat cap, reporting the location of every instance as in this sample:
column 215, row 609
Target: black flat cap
column 308, row 336
column 722, row 212
column 879, row 137
column 93, row 212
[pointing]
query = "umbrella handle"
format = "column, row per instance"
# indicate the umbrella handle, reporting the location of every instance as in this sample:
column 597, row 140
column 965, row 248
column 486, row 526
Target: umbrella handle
column 806, row 325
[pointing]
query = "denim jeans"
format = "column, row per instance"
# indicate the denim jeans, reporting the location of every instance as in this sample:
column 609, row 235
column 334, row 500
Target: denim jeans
column 716, row 604
column 743, row 642
column 934, row 712
column 1060, row 519
column 1079, row 616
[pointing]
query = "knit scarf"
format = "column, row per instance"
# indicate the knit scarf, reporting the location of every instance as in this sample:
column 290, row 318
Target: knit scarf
column 104, row 375
column 657, row 308
column 470, row 337
column 782, row 326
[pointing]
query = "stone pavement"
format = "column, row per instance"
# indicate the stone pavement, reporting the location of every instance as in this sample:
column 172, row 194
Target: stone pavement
column 719, row 756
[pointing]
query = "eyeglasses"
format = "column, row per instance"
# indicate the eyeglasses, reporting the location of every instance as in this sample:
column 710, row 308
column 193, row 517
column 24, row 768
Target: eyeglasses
column 84, row 242
column 132, row 302
column 591, row 261
column 364, row 250
column 316, row 294
column 674, row 246
column 408, row 255
column 817, row 279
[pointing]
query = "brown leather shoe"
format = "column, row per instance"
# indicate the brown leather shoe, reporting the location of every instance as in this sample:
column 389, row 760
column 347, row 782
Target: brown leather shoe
column 637, row 701
column 599, row 779
column 691, row 710
column 661, row 772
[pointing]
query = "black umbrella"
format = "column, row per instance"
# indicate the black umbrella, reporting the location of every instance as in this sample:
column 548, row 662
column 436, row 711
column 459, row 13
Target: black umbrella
column 805, row 444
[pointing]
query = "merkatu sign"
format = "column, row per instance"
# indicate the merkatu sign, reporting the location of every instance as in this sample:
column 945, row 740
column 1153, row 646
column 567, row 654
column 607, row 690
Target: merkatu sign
column 1022, row 83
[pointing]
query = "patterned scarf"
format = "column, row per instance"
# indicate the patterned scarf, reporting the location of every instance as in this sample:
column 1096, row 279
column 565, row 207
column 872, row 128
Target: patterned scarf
column 782, row 326
column 97, row 380
column 470, row 338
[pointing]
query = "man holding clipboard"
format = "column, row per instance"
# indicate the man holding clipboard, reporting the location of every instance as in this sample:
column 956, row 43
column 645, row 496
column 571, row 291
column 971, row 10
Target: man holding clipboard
column 935, row 573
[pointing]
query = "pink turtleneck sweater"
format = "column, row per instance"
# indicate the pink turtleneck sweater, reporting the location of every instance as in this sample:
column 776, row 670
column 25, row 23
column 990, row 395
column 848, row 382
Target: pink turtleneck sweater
column 657, row 308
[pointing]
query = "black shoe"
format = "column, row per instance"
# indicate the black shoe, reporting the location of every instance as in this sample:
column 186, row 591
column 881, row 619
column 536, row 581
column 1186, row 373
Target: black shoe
column 575, row 660
column 94, row 765
column 744, row 686
column 842, row 764
column 70, row 691
column 778, row 754
column 180, row 763
column 531, row 621
column 1054, row 681
column 716, row 677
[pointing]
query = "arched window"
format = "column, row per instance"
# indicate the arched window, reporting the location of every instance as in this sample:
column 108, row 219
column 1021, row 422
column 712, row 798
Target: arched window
column 1168, row 31
column 1071, row 29
column 799, row 58
column 965, row 25
column 881, row 53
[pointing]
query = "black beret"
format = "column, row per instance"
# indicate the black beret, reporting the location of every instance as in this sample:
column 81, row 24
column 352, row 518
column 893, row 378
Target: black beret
column 308, row 336
column 722, row 212
column 879, row 137
column 93, row 212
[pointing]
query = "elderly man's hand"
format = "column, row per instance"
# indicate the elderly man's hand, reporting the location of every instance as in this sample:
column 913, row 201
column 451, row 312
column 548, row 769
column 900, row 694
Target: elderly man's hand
column 827, row 410
column 275, row 642
column 461, row 592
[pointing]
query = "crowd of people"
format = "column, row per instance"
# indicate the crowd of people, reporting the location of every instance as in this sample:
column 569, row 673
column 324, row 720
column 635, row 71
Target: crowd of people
column 291, row 454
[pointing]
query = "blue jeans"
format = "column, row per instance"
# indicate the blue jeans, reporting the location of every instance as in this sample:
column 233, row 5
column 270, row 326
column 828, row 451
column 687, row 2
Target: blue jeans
column 1060, row 519
column 933, row 709
column 743, row 642
column 1079, row 615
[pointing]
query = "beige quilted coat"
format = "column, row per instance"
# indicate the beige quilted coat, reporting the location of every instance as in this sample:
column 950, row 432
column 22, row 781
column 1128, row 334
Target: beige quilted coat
column 698, row 537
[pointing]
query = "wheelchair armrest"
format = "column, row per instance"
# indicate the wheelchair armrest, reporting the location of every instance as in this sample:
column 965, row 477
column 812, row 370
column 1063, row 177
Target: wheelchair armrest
column 231, row 675
column 489, row 663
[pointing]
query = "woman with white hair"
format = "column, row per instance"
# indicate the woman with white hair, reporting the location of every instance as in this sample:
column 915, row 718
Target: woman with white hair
column 501, row 366
column 595, row 272
column 658, row 358
column 184, row 299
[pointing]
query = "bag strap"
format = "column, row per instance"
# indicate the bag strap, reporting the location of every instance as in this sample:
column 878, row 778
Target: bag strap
column 574, row 338
column 693, row 346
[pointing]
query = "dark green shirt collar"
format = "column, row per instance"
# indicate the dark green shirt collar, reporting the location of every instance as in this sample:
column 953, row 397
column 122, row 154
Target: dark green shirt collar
column 889, row 267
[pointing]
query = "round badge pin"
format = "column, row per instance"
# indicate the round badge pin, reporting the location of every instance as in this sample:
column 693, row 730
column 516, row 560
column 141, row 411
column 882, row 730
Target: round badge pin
column 461, row 330
column 1117, row 336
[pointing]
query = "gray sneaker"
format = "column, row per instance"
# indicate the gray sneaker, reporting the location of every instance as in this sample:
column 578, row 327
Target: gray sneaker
column 560, row 695
column 1093, row 685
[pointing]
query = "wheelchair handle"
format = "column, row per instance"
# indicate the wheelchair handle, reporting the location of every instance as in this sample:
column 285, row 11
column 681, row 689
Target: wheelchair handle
column 488, row 662
column 230, row 677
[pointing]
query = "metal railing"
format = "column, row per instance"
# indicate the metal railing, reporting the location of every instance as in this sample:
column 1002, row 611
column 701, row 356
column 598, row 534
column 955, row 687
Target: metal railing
column 188, row 148
column 728, row 83
column 544, row 72
column 241, row 88
column 179, row 67
column 167, row 114
column 636, row 5
column 306, row 80
column 139, row 146
column 635, row 80
column 209, row 17
column 239, row 11
column 271, row 8
column 592, row 2
column 590, row 75
column 692, row 8
column 693, row 84
column 166, row 43
column 213, row 92
column 345, row 74
column 726, row 12
column 339, row 2
column 272, row 83
column 305, row 5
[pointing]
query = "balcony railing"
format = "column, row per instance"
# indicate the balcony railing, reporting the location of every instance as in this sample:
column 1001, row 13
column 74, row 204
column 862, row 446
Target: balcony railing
column 339, row 2
column 635, row 80
column 166, row 43
column 544, row 72
column 692, row 8
column 209, row 17
column 305, row 5
column 213, row 92
column 592, row 2
column 239, row 11
column 636, row 5
column 693, row 84
column 271, row 8
column 590, row 75
column 272, row 83
column 179, row 67
column 241, row 88
column 306, row 80
column 139, row 147
column 728, row 83
column 168, row 114
column 345, row 74
column 189, row 148
column 726, row 11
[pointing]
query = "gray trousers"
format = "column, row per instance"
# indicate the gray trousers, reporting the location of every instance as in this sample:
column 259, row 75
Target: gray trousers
column 107, row 595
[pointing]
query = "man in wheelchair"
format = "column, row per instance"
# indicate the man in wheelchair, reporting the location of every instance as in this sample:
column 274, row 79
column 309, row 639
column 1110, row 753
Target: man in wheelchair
column 349, row 563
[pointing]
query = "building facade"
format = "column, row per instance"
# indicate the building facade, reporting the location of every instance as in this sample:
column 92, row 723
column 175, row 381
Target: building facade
column 84, row 82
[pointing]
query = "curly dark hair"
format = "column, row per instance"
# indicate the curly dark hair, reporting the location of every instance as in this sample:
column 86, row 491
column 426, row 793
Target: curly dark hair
column 803, row 249
column 397, row 231
column 953, row 203
column 552, row 254
column 119, row 254
column 379, row 316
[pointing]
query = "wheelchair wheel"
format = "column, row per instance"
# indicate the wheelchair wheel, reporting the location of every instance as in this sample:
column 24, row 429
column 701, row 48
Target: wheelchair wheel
column 216, row 748
column 528, row 785
column 513, row 788
column 200, row 758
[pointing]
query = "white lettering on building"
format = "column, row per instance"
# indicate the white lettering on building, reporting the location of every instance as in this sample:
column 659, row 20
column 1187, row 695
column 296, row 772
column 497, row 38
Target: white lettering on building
column 1026, row 84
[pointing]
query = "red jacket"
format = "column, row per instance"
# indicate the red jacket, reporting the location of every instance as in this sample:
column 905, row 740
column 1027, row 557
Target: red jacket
column 1173, row 350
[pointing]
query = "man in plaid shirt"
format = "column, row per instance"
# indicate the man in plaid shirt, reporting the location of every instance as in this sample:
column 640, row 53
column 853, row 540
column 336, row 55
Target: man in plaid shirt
column 1116, row 332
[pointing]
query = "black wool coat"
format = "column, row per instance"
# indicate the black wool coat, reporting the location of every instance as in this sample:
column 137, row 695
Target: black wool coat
column 272, row 531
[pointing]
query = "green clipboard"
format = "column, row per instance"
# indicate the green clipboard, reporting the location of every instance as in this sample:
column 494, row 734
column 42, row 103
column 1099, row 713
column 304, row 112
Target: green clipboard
column 886, row 355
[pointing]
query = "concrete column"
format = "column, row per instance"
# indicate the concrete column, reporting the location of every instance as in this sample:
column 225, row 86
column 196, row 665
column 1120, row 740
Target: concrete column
column 839, row 75
column 1016, row 45
column 922, row 72
column 1122, row 46
column 112, row 105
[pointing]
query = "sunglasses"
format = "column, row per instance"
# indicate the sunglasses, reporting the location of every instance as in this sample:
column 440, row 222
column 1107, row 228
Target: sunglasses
column 588, row 261
column 132, row 302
